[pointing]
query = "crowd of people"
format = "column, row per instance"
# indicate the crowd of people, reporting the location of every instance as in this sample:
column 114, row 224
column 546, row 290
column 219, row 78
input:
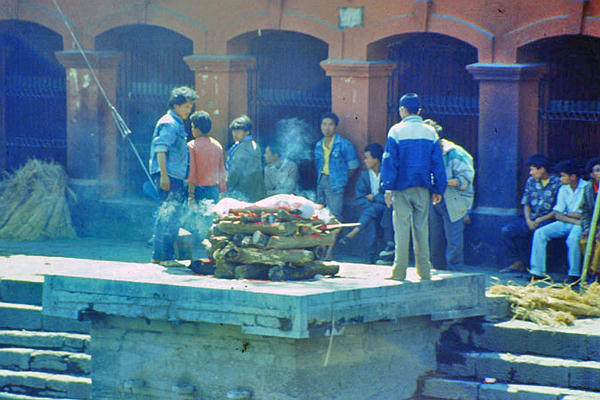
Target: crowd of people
column 419, row 185
column 554, row 207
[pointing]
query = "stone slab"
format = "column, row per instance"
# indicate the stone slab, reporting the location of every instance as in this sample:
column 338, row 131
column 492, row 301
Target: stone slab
column 450, row 389
column 580, row 341
column 45, row 383
column 21, row 291
column 13, row 396
column 298, row 309
column 59, row 324
column 20, row 316
column 44, row 340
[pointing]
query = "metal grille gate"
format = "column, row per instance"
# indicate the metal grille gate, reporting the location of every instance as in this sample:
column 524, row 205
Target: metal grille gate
column 152, row 65
column 288, row 83
column 433, row 66
column 33, row 95
column 570, row 98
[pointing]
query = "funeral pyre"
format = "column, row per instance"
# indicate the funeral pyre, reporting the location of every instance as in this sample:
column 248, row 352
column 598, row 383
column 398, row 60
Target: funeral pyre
column 282, row 237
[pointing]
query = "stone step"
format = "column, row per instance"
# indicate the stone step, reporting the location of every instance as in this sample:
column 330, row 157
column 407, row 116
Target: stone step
column 580, row 341
column 23, row 292
column 45, row 384
column 62, row 341
column 456, row 389
column 30, row 317
column 61, row 362
column 20, row 316
column 527, row 369
column 14, row 396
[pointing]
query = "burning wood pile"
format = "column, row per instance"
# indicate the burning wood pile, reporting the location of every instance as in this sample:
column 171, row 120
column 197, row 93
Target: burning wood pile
column 274, row 239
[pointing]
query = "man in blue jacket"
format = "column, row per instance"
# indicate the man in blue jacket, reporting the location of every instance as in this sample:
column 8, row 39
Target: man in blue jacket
column 412, row 172
column 169, row 159
column 370, row 200
column 336, row 161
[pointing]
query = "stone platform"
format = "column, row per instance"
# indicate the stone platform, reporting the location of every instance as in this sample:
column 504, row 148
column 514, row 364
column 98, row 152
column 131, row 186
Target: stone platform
column 166, row 333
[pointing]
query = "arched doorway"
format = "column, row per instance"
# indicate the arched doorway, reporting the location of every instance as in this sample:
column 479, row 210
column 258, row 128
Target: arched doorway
column 569, row 95
column 433, row 65
column 288, row 84
column 32, row 95
column 152, row 65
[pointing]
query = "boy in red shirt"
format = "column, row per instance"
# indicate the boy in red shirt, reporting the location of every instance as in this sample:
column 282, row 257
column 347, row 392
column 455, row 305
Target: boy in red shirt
column 207, row 170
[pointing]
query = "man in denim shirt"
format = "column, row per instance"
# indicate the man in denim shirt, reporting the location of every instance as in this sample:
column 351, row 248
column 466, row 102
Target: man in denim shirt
column 169, row 159
column 336, row 160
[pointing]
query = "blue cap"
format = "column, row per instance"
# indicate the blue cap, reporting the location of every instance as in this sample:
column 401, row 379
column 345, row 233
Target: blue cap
column 411, row 102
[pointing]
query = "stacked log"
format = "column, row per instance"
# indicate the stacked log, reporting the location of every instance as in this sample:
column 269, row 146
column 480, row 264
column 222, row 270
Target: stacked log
column 274, row 243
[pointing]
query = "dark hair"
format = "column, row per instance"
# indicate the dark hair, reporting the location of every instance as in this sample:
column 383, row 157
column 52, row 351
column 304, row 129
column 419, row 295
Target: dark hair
column 181, row 95
column 202, row 121
column 539, row 161
column 329, row 115
column 375, row 149
column 438, row 128
column 411, row 102
column 568, row 167
column 589, row 165
column 242, row 122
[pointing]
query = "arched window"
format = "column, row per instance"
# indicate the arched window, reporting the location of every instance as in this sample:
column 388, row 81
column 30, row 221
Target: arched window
column 433, row 66
column 32, row 95
column 569, row 95
column 288, row 83
column 152, row 65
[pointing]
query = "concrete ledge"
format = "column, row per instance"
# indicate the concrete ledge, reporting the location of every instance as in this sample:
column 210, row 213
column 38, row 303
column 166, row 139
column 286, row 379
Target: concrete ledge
column 283, row 309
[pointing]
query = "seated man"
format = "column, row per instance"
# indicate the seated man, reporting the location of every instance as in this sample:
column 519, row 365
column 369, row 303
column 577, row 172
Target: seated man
column 587, row 210
column 371, row 201
column 281, row 174
column 538, row 199
column 567, row 215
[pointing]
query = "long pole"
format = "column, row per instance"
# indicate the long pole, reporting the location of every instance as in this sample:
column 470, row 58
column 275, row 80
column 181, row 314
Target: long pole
column 121, row 125
column 590, row 240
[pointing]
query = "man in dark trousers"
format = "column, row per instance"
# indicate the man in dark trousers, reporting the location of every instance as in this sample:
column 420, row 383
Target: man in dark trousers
column 539, row 197
column 169, row 160
column 370, row 200
column 412, row 175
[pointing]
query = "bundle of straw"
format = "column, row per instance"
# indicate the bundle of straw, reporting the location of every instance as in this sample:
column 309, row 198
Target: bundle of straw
column 554, row 304
column 34, row 203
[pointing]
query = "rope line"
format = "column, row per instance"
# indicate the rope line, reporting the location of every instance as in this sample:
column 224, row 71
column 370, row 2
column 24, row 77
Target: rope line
column 119, row 122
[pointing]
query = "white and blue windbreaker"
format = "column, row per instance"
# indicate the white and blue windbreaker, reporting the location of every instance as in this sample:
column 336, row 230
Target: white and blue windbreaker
column 413, row 157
